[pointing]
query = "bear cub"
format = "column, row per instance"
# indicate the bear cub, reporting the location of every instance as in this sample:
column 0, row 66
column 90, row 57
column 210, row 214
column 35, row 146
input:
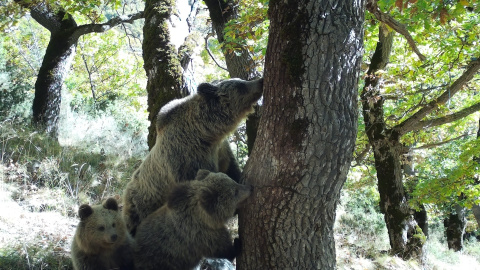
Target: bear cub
column 101, row 240
column 191, row 135
column 191, row 225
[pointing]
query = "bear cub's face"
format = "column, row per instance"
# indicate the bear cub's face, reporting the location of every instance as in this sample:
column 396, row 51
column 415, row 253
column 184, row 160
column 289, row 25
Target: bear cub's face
column 220, row 195
column 102, row 225
column 237, row 94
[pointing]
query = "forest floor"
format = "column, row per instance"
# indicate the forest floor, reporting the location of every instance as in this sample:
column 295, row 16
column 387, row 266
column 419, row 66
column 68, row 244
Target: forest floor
column 37, row 224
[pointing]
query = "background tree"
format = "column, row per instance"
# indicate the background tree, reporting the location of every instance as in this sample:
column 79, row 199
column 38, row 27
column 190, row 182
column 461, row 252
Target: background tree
column 162, row 60
column 306, row 135
column 64, row 34
column 233, row 30
column 419, row 106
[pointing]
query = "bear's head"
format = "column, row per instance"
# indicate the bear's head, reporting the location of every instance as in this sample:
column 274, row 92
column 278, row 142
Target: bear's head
column 211, row 198
column 235, row 96
column 220, row 196
column 101, row 227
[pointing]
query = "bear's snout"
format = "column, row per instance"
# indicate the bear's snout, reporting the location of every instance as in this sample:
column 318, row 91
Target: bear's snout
column 113, row 237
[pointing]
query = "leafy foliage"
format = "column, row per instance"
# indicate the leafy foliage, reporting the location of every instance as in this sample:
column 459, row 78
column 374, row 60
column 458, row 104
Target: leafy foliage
column 21, row 51
column 98, row 80
column 446, row 32
column 250, row 30
column 456, row 177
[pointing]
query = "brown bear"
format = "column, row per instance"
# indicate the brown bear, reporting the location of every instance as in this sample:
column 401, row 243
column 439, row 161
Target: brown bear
column 191, row 225
column 191, row 135
column 101, row 240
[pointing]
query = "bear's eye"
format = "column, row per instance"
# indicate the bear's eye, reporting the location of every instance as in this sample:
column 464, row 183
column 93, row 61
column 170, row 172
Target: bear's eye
column 113, row 225
column 101, row 228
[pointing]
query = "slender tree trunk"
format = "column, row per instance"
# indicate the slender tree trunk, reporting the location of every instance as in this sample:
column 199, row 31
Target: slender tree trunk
column 306, row 135
column 240, row 64
column 455, row 225
column 421, row 215
column 55, row 66
column 476, row 207
column 161, row 61
column 406, row 238
column 64, row 34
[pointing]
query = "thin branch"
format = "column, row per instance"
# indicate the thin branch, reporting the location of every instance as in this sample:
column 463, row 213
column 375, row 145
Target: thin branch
column 102, row 27
column 433, row 145
column 398, row 27
column 359, row 158
column 412, row 123
column 90, row 79
column 210, row 53
column 447, row 118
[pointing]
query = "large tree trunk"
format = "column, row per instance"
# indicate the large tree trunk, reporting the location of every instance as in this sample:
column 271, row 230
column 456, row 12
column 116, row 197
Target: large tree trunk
column 406, row 239
column 306, row 135
column 161, row 61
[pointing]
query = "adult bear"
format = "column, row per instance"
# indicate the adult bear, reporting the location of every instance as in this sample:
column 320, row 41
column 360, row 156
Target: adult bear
column 191, row 135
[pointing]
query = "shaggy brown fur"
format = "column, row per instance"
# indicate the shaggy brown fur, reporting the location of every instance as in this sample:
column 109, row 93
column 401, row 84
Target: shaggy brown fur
column 191, row 135
column 101, row 240
column 191, row 225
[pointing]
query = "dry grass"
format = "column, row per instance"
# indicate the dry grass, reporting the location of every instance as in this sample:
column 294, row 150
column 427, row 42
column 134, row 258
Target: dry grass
column 42, row 184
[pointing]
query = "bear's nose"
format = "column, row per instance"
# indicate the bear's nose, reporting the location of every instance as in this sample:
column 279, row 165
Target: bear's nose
column 114, row 237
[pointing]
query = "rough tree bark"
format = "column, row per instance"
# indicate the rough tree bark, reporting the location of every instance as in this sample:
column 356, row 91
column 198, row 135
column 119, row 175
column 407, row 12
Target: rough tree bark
column 306, row 135
column 162, row 63
column 64, row 35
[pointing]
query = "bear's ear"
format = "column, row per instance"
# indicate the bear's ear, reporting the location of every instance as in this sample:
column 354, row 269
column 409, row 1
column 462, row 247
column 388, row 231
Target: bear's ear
column 202, row 174
column 206, row 89
column 209, row 200
column 111, row 204
column 84, row 211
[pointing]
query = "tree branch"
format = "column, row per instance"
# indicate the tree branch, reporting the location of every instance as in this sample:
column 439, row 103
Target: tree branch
column 413, row 121
column 102, row 27
column 45, row 15
column 359, row 158
column 211, row 55
column 398, row 27
column 447, row 118
column 432, row 145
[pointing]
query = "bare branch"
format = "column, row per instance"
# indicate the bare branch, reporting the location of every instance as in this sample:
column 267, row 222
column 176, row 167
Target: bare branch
column 447, row 118
column 210, row 53
column 433, row 145
column 398, row 27
column 412, row 123
column 102, row 27
column 90, row 79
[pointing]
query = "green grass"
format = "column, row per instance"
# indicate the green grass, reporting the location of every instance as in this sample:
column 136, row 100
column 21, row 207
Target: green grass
column 42, row 183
